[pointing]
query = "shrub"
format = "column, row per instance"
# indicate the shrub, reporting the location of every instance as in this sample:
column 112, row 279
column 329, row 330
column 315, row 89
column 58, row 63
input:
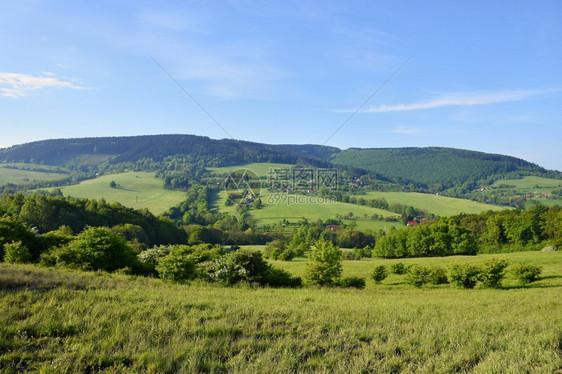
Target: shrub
column 177, row 266
column 438, row 275
column 281, row 278
column 279, row 250
column 492, row 272
column 96, row 248
column 527, row 273
column 14, row 230
column 464, row 275
column 239, row 266
column 324, row 266
column 398, row 268
column 16, row 253
column 351, row 282
column 379, row 274
column 418, row 275
column 149, row 258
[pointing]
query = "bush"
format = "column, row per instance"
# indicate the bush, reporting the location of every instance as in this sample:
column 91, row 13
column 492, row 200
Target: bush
column 96, row 248
column 16, row 253
column 324, row 266
column 379, row 274
column 177, row 266
column 279, row 250
column 464, row 275
column 281, row 278
column 438, row 275
column 14, row 230
column 527, row 273
column 418, row 275
column 492, row 272
column 149, row 258
column 239, row 266
column 351, row 282
column 398, row 268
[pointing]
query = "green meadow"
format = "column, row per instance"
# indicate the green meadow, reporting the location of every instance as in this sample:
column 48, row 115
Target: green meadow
column 276, row 207
column 533, row 185
column 261, row 169
column 134, row 189
column 439, row 205
column 18, row 176
column 530, row 183
column 57, row 320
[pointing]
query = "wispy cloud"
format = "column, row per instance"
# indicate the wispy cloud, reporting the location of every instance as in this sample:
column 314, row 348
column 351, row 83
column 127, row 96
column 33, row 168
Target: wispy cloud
column 17, row 85
column 460, row 99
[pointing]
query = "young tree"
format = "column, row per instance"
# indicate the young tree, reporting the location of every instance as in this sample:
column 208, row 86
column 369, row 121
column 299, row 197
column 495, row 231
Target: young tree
column 379, row 274
column 16, row 253
column 324, row 265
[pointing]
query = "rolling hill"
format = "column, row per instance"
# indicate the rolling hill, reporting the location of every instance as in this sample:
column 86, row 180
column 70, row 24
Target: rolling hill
column 430, row 169
column 438, row 168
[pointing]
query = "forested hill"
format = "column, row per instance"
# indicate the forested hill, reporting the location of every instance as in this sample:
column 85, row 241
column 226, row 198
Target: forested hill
column 433, row 169
column 438, row 168
column 115, row 150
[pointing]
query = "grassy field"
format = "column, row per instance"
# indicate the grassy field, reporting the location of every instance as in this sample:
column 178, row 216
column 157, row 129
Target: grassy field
column 261, row 169
column 533, row 185
column 134, row 189
column 16, row 176
column 530, row 183
column 56, row 320
column 439, row 205
column 294, row 208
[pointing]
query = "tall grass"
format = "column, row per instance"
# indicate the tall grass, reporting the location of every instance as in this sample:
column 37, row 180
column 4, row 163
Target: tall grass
column 56, row 320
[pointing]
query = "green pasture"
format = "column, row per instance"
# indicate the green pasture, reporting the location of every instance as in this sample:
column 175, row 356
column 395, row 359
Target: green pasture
column 57, row 320
column 134, row 189
column 260, row 168
column 18, row 176
column 439, row 205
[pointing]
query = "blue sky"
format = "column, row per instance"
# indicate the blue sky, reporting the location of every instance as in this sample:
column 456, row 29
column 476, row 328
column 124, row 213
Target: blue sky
column 483, row 75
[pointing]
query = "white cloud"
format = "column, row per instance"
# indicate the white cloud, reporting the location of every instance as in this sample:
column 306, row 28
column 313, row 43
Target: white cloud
column 17, row 85
column 460, row 99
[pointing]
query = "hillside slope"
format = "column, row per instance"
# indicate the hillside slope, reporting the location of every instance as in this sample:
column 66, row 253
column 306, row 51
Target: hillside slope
column 434, row 169
column 438, row 168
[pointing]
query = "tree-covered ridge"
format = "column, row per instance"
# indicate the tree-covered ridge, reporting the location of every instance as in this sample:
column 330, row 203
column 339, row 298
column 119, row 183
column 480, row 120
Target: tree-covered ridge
column 156, row 148
column 439, row 168
column 181, row 159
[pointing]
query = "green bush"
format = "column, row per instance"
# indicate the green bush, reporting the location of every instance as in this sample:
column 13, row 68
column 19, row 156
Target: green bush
column 16, row 253
column 351, row 282
column 418, row 275
column 149, row 258
column 492, row 272
column 438, row 275
column 527, row 273
column 280, row 278
column 15, row 230
column 464, row 275
column 178, row 265
column 398, row 268
column 324, row 266
column 240, row 266
column 96, row 248
column 379, row 274
column 279, row 250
